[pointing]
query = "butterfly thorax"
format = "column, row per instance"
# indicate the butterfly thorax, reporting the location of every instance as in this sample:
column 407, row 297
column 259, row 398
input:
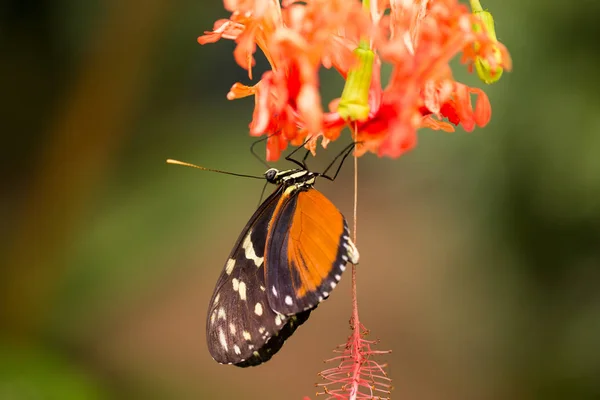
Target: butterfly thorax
column 292, row 178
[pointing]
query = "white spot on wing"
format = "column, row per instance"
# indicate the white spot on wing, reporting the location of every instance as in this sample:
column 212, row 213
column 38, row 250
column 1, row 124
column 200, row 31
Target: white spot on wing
column 247, row 335
column 242, row 291
column 232, row 328
column 274, row 291
column 249, row 250
column 229, row 266
column 288, row 300
column 342, row 267
column 213, row 316
column 217, row 298
column 261, row 330
column 236, row 284
column 278, row 320
column 333, row 285
column 221, row 313
column 222, row 339
column 337, row 277
column 236, row 349
column 258, row 310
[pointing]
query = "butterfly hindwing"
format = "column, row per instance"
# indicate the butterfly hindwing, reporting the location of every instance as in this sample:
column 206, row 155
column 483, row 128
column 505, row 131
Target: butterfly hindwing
column 241, row 327
column 307, row 248
column 275, row 342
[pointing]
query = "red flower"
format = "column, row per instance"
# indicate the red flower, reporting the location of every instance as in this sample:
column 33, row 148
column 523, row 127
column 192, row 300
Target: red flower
column 418, row 38
column 296, row 39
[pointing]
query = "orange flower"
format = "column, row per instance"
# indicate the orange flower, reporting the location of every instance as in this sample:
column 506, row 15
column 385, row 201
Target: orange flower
column 296, row 39
column 418, row 38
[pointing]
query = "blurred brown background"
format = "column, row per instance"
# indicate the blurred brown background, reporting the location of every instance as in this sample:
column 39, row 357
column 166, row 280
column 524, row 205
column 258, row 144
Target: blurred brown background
column 480, row 253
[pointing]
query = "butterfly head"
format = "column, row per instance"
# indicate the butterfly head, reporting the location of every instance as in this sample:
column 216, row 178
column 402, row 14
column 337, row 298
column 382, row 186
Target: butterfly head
column 271, row 175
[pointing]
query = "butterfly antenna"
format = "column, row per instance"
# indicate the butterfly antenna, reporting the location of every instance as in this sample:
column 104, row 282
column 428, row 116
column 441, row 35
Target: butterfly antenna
column 256, row 155
column 185, row 164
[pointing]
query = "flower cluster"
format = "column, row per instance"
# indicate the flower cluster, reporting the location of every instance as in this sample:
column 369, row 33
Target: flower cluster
column 417, row 37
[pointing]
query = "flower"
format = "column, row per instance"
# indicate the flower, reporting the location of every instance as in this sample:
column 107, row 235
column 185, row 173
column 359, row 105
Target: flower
column 296, row 40
column 358, row 375
column 418, row 38
column 424, row 36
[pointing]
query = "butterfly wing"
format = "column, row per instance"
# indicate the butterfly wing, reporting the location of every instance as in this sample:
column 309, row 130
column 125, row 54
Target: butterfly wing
column 241, row 327
column 308, row 246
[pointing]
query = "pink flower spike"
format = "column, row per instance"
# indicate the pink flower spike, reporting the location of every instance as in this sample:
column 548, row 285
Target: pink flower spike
column 358, row 375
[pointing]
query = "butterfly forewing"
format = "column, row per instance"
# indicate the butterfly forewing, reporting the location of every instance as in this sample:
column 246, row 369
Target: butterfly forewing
column 308, row 246
column 241, row 327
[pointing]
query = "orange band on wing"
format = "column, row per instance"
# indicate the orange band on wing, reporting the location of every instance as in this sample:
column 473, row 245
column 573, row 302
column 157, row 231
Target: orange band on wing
column 314, row 238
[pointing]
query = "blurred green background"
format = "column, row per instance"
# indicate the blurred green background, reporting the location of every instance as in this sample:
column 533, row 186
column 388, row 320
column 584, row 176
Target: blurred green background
column 480, row 253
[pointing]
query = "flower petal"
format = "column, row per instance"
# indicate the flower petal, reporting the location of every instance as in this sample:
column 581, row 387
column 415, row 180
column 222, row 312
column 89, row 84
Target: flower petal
column 239, row 91
column 483, row 108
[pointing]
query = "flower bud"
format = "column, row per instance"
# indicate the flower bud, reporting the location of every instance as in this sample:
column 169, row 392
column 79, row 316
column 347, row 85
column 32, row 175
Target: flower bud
column 354, row 103
column 485, row 71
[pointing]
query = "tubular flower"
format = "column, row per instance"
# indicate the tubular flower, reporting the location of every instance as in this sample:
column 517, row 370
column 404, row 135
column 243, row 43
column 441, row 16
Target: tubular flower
column 418, row 38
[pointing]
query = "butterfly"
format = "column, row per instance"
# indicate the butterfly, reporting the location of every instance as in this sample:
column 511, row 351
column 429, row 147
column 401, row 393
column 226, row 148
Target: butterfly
column 288, row 258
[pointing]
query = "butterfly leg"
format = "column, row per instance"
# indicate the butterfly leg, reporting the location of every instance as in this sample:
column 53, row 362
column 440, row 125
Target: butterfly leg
column 300, row 164
column 304, row 159
column 344, row 153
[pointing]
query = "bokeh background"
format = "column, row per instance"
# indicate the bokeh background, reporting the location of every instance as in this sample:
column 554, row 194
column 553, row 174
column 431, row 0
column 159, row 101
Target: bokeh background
column 480, row 252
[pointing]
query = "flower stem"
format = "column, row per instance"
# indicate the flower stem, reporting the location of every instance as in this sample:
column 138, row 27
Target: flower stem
column 356, row 327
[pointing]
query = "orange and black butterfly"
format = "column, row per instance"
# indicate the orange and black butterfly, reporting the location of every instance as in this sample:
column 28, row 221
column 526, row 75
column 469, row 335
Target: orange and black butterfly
column 288, row 258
